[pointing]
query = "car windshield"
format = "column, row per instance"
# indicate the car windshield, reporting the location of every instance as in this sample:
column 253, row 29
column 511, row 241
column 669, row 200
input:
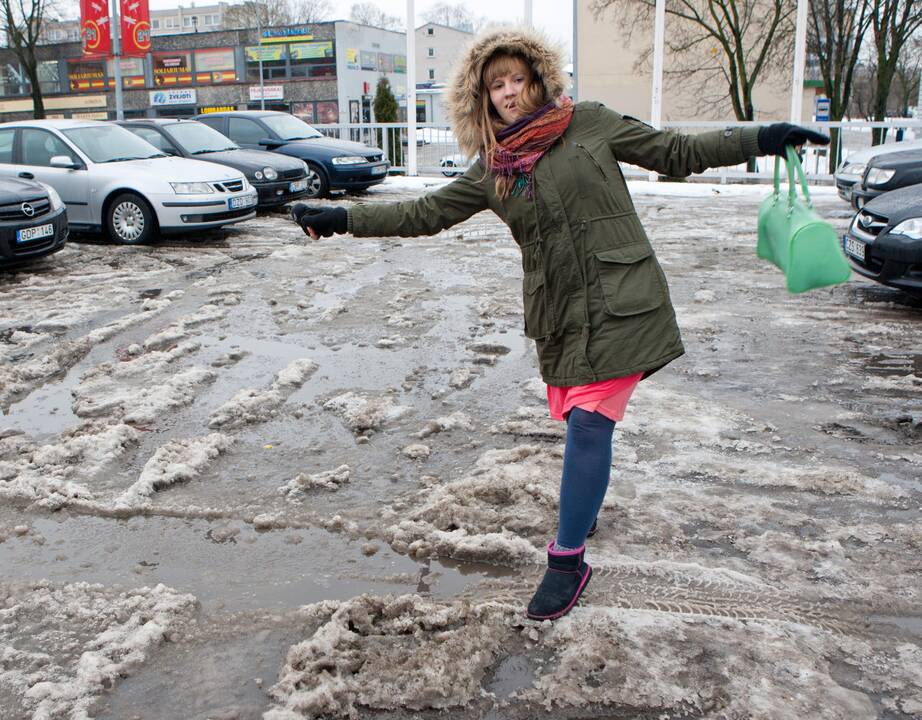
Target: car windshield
column 111, row 143
column 288, row 127
column 198, row 139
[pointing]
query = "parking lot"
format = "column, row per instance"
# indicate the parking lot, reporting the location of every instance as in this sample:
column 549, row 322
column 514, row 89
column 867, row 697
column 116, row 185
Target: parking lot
column 248, row 475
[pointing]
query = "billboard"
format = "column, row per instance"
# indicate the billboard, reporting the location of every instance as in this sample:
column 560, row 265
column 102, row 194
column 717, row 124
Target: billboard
column 135, row 22
column 94, row 28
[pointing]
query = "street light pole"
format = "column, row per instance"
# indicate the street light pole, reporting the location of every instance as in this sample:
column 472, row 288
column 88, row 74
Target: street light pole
column 800, row 53
column 659, row 41
column 411, row 89
column 259, row 54
column 116, row 35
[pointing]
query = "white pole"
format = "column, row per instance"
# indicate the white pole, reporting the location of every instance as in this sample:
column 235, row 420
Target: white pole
column 575, row 63
column 259, row 50
column 117, row 59
column 800, row 59
column 411, row 89
column 659, row 41
column 528, row 13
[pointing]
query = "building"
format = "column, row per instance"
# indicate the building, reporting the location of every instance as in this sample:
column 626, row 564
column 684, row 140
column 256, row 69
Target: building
column 437, row 49
column 607, row 71
column 59, row 31
column 322, row 72
column 192, row 19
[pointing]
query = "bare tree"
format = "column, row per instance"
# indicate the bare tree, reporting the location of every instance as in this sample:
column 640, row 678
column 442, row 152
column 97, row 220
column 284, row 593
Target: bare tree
column 22, row 23
column 727, row 45
column 894, row 22
column 835, row 35
column 456, row 16
column 250, row 14
column 311, row 11
column 906, row 90
column 367, row 13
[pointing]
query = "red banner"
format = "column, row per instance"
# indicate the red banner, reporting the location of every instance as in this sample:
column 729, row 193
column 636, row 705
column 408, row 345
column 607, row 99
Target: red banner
column 94, row 27
column 135, row 20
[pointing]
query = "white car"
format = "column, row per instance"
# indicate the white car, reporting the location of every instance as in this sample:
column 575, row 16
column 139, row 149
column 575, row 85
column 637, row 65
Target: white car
column 111, row 180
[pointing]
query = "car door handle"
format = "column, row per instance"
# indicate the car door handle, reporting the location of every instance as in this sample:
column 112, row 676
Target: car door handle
column 27, row 176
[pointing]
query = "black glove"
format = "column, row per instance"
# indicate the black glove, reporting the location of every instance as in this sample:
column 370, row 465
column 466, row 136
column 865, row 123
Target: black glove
column 773, row 138
column 324, row 220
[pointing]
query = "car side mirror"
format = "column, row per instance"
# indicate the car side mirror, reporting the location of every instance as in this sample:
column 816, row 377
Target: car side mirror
column 269, row 142
column 62, row 161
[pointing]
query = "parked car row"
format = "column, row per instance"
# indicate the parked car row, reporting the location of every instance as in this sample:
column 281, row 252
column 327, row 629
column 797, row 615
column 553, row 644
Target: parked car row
column 884, row 238
column 138, row 179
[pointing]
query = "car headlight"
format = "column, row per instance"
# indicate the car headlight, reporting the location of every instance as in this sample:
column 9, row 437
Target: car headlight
column 191, row 188
column 853, row 169
column 270, row 173
column 56, row 202
column 879, row 176
column 348, row 160
column 911, row 228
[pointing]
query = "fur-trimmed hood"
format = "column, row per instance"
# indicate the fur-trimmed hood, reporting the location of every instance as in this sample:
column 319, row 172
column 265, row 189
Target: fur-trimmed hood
column 463, row 97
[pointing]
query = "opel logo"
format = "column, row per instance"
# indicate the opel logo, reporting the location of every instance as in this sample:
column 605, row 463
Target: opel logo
column 864, row 220
column 28, row 210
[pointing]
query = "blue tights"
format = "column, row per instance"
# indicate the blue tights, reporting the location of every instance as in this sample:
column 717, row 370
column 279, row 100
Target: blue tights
column 586, row 465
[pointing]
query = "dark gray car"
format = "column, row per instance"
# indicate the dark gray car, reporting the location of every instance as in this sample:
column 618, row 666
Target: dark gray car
column 277, row 179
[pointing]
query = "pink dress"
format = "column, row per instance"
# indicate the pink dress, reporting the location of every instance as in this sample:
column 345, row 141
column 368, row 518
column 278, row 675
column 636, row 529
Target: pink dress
column 608, row 397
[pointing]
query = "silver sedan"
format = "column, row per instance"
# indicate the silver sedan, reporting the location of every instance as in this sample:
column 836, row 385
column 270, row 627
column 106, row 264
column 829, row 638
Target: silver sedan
column 113, row 181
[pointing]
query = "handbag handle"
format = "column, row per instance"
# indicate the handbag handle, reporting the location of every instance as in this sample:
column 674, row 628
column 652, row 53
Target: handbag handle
column 792, row 161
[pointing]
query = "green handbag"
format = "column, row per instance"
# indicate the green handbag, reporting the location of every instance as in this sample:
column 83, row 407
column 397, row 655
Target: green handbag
column 793, row 237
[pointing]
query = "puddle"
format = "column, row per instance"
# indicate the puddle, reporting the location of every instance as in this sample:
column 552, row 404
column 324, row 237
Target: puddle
column 890, row 363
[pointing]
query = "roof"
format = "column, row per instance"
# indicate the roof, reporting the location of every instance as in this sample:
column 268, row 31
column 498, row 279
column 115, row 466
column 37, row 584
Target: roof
column 56, row 124
column 248, row 113
column 443, row 25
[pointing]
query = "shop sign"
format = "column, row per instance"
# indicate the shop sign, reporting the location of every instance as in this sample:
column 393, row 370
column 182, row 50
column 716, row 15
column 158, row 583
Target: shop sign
column 135, row 22
column 267, row 92
column 216, row 108
column 285, row 34
column 255, row 53
column 369, row 60
column 352, row 59
column 184, row 96
column 311, row 51
column 94, row 28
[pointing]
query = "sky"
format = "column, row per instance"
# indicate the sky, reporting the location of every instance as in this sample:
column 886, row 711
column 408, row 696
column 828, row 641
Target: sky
column 554, row 17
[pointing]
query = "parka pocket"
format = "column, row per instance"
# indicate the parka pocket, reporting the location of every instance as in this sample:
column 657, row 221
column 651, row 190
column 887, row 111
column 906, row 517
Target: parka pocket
column 539, row 317
column 631, row 280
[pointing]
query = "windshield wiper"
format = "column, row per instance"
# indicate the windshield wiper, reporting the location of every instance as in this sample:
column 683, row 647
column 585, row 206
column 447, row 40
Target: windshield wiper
column 123, row 159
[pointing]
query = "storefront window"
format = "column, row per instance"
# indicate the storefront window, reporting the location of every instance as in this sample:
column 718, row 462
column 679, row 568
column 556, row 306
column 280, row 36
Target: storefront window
column 10, row 80
column 273, row 60
column 304, row 110
column 48, row 76
column 215, row 66
column 173, row 68
column 132, row 72
column 328, row 112
column 312, row 59
column 84, row 76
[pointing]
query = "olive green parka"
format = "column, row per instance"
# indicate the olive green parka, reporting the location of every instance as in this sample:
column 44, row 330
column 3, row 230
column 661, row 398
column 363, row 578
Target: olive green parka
column 595, row 299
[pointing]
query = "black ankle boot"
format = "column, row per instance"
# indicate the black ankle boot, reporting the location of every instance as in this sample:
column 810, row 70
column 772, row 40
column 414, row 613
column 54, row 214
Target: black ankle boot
column 594, row 528
column 564, row 581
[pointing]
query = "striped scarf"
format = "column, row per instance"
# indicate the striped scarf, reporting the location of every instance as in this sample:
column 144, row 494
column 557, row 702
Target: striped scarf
column 523, row 143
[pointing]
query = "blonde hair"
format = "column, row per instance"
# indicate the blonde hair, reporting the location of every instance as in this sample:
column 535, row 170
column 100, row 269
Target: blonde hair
column 487, row 118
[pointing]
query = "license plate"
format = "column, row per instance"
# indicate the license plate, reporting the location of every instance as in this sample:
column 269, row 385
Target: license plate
column 855, row 247
column 379, row 169
column 32, row 233
column 297, row 186
column 243, row 201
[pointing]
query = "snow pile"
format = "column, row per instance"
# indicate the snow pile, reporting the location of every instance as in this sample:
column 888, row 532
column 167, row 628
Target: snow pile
column 179, row 330
column 531, row 422
column 416, row 451
column 112, row 389
column 451, row 422
column 329, row 480
column 462, row 378
column 364, row 411
column 49, row 474
column 498, row 514
column 82, row 640
column 664, row 665
column 253, row 406
column 177, row 461
column 384, row 653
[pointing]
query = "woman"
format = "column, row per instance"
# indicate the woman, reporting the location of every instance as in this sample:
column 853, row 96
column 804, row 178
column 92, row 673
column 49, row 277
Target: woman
column 595, row 298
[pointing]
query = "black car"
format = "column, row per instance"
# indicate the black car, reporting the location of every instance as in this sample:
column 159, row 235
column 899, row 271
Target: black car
column 277, row 179
column 33, row 220
column 884, row 241
column 885, row 173
column 332, row 164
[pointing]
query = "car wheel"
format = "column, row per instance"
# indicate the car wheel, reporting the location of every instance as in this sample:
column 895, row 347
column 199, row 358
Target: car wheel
column 448, row 173
column 317, row 184
column 130, row 220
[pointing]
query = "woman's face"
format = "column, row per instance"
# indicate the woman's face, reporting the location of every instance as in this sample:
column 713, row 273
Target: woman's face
column 506, row 90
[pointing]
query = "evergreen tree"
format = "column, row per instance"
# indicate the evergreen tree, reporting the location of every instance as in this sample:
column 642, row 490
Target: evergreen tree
column 386, row 110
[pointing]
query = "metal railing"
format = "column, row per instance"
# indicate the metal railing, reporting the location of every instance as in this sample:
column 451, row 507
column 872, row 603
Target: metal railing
column 438, row 152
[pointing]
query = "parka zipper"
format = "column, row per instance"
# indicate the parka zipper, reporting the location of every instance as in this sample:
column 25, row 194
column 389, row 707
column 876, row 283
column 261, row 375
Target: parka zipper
column 594, row 161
